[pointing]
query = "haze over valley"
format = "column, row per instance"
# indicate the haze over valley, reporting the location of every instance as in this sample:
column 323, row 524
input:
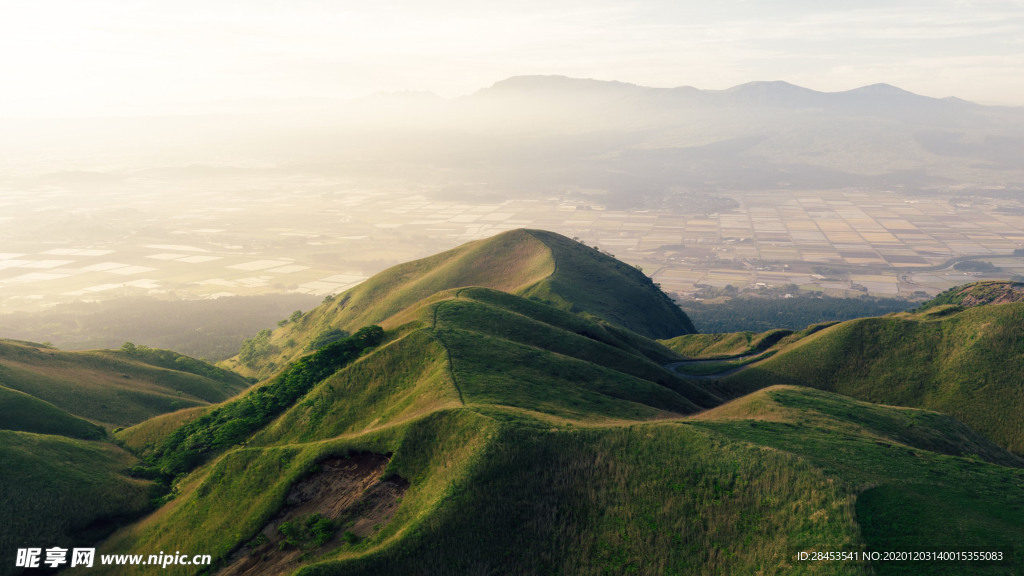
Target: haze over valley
column 870, row 191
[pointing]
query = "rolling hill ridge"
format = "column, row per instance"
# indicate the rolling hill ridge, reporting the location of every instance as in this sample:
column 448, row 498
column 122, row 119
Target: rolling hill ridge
column 481, row 412
column 502, row 419
column 114, row 388
column 536, row 264
column 960, row 354
column 63, row 481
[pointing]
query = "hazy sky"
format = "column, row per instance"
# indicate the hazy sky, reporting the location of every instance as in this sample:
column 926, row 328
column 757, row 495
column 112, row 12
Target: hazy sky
column 70, row 57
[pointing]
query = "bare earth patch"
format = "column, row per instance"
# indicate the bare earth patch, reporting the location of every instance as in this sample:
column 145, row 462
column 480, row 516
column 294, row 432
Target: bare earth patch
column 347, row 491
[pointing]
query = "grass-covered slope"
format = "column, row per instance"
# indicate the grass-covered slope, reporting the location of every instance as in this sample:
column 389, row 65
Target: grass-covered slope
column 542, row 266
column 978, row 294
column 406, row 378
column 712, row 346
column 525, row 439
column 474, row 358
column 19, row 411
column 147, row 434
column 709, row 497
column 513, row 430
column 217, row 429
column 648, row 500
column 483, row 348
column 61, row 482
column 114, row 388
column 455, row 364
column 808, row 407
column 494, row 489
column 595, row 284
column 968, row 363
column 59, row 491
column 921, row 481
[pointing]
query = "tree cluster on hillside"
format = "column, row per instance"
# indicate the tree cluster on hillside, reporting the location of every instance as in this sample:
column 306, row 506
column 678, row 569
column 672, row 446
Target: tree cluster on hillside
column 325, row 337
column 257, row 347
column 174, row 361
column 761, row 314
column 233, row 422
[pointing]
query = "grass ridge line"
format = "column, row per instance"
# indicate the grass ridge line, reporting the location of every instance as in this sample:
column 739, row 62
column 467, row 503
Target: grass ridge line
column 447, row 351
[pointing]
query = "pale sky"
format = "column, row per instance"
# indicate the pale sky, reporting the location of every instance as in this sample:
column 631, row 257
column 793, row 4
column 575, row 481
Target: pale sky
column 85, row 57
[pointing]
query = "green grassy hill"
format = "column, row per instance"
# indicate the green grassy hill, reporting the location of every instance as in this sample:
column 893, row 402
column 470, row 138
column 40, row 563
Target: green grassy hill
column 485, row 348
column 916, row 479
column 712, row 346
column 148, row 433
column 511, row 429
column 60, row 491
column 62, row 483
column 114, row 388
column 499, row 489
column 978, row 294
column 468, row 347
column 597, row 285
column 965, row 362
column 19, row 411
column 540, row 265
column 515, row 437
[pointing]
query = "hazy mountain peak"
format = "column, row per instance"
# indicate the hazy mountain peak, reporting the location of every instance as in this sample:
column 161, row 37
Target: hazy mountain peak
column 768, row 85
column 774, row 93
column 881, row 89
column 555, row 83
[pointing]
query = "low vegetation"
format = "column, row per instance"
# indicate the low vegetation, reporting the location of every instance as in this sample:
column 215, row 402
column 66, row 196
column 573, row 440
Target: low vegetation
column 231, row 423
column 114, row 388
column 524, row 430
column 19, row 411
column 977, row 294
column 962, row 362
column 60, row 491
column 920, row 479
column 545, row 267
column 758, row 314
column 714, row 346
column 174, row 361
column 311, row 531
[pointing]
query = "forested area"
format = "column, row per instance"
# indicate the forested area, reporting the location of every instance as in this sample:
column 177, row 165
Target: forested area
column 760, row 314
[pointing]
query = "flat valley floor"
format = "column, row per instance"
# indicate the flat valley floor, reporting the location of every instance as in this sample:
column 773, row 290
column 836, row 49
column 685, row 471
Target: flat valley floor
column 246, row 235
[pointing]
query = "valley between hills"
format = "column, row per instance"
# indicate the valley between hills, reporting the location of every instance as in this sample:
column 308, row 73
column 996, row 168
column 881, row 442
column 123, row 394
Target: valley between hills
column 526, row 404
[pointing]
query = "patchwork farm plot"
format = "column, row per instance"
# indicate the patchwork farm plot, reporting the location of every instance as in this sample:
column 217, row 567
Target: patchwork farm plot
column 250, row 236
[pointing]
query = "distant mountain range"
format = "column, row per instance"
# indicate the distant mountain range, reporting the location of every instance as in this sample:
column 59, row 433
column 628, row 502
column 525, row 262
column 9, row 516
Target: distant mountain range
column 640, row 146
column 599, row 142
column 543, row 94
column 760, row 93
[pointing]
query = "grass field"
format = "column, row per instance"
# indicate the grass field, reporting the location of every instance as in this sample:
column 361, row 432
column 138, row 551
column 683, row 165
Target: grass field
column 114, row 388
column 60, row 491
column 531, row 435
column 922, row 480
column 963, row 362
column 723, row 346
column 542, row 266
column 19, row 411
column 737, row 490
column 504, row 453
